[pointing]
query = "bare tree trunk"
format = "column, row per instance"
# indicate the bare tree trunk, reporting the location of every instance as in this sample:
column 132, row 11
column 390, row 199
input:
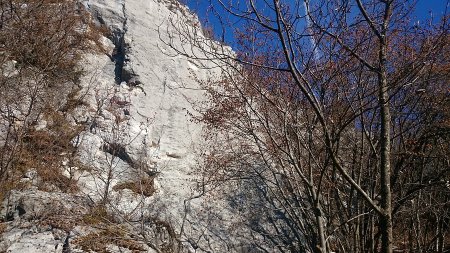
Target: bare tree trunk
column 385, row 169
column 385, row 143
column 321, row 227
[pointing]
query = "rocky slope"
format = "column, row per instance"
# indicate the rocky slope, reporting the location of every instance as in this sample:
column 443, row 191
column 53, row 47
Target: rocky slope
column 137, row 155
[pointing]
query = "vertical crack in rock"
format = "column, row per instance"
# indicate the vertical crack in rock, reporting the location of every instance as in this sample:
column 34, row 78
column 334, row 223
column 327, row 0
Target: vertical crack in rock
column 119, row 54
column 123, row 72
column 66, row 245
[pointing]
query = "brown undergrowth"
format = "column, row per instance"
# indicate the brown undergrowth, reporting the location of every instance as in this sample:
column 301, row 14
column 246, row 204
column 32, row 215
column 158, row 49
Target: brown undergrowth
column 144, row 186
column 110, row 235
column 41, row 44
column 107, row 232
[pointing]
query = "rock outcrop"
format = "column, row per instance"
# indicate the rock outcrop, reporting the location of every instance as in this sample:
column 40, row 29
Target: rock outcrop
column 137, row 155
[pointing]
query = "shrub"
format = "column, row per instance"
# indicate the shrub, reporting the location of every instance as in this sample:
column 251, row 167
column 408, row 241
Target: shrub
column 42, row 40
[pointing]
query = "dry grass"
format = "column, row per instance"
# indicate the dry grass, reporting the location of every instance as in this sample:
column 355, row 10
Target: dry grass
column 2, row 228
column 111, row 235
column 110, row 232
column 43, row 151
column 97, row 215
column 65, row 222
column 145, row 186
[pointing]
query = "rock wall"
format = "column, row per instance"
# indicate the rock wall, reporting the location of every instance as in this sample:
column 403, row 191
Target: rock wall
column 137, row 155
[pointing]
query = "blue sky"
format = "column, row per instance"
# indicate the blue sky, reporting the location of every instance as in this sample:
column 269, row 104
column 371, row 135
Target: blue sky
column 425, row 7
column 424, row 10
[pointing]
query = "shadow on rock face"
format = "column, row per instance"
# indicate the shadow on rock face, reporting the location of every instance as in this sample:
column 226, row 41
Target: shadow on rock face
column 119, row 151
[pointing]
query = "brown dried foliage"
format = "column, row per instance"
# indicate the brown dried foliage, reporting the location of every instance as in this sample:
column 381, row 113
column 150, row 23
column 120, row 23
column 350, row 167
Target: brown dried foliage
column 41, row 42
column 144, row 186
column 272, row 136
column 110, row 235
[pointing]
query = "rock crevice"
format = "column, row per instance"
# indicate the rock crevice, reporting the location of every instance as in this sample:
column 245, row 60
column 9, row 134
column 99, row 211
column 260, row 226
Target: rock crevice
column 119, row 55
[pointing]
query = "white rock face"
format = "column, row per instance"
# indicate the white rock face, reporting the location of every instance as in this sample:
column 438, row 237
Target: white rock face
column 34, row 217
column 139, row 98
column 156, row 127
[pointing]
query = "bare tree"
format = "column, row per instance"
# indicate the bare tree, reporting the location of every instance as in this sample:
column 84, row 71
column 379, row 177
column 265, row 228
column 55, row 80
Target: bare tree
column 318, row 112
